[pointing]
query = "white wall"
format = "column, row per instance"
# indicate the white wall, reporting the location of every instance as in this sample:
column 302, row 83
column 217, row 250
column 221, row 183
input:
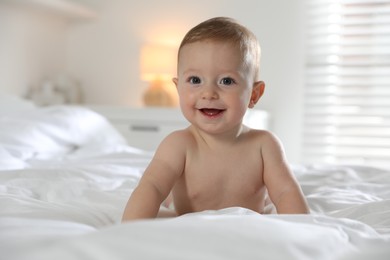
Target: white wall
column 32, row 46
column 103, row 53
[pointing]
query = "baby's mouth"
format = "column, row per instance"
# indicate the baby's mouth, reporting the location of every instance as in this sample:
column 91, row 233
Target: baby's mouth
column 211, row 111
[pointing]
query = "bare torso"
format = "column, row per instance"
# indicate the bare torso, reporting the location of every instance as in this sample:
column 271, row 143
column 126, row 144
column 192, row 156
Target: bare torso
column 220, row 176
column 209, row 173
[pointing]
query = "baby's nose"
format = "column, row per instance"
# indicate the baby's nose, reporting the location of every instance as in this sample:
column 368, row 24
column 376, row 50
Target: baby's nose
column 210, row 92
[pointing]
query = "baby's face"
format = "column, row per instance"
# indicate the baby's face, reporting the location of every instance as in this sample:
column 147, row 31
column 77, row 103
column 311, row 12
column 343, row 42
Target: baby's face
column 214, row 85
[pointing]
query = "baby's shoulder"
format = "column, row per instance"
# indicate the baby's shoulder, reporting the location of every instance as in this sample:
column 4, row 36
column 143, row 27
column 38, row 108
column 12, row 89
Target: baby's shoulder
column 263, row 136
column 178, row 138
column 174, row 145
column 267, row 140
column 260, row 134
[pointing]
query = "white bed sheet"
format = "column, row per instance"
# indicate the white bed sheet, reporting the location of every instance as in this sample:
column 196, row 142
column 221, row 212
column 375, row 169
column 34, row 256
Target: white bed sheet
column 66, row 175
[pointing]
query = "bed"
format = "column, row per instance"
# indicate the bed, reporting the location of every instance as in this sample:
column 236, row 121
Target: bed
column 66, row 174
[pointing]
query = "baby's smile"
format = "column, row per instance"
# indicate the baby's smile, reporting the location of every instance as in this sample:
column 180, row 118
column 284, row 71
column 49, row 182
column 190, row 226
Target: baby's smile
column 212, row 112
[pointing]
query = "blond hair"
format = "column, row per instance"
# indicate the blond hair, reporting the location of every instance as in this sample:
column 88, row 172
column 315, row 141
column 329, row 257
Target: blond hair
column 226, row 29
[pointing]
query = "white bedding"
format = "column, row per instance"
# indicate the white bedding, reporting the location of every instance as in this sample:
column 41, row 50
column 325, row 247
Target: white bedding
column 66, row 174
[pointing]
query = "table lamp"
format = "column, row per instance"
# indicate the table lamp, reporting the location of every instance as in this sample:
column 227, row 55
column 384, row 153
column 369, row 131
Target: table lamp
column 158, row 65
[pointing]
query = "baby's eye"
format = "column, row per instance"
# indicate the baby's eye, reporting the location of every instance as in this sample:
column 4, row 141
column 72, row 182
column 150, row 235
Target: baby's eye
column 227, row 81
column 194, row 80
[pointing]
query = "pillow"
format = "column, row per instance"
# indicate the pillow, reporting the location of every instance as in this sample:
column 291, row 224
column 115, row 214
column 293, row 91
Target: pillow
column 10, row 103
column 55, row 130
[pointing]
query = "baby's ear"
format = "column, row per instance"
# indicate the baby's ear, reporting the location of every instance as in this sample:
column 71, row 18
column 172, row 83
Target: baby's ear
column 175, row 80
column 257, row 92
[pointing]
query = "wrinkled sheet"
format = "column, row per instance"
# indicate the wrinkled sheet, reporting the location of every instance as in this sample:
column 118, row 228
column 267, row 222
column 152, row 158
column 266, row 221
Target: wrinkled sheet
column 66, row 175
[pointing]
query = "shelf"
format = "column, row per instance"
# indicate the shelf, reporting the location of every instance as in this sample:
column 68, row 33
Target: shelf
column 67, row 8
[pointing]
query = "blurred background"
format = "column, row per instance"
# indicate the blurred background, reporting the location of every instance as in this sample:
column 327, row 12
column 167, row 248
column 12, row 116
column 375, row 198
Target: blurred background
column 94, row 48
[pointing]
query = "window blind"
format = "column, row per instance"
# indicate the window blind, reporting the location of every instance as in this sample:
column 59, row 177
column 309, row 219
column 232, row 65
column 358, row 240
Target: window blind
column 347, row 92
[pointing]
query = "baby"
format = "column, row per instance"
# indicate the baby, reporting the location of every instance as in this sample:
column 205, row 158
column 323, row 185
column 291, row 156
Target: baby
column 217, row 162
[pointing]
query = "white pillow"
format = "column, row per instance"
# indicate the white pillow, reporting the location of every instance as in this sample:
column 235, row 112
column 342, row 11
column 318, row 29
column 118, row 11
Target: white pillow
column 56, row 130
column 10, row 103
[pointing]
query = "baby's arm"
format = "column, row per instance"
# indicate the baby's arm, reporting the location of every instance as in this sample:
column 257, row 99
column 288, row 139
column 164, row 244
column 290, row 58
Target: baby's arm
column 157, row 181
column 282, row 186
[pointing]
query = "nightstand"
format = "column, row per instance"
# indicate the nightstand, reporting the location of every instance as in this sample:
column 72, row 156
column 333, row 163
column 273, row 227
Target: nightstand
column 145, row 128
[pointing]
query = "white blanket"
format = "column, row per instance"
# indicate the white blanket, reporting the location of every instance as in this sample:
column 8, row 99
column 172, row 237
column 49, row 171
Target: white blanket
column 66, row 175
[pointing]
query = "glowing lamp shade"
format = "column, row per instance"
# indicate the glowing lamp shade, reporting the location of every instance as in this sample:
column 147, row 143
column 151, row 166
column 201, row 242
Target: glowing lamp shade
column 158, row 66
